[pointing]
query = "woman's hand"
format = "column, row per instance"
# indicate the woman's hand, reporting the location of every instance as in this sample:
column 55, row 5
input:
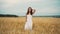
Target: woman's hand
column 33, row 11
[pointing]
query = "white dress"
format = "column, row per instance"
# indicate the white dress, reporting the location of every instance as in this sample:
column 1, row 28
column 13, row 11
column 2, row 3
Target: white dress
column 28, row 24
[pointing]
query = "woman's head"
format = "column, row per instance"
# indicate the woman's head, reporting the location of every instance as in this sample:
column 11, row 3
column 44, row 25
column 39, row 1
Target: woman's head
column 29, row 11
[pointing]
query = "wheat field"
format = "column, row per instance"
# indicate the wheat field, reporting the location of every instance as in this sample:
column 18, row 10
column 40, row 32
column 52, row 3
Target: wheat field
column 41, row 25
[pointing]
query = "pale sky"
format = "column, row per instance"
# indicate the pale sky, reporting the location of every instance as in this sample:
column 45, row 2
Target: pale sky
column 19, row 7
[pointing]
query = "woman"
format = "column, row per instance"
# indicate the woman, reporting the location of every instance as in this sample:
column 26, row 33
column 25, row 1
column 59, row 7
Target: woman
column 28, row 24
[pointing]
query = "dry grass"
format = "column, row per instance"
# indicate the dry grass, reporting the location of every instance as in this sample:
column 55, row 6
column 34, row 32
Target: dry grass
column 11, row 25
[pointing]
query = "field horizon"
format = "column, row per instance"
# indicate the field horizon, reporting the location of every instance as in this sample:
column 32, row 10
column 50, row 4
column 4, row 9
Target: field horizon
column 41, row 25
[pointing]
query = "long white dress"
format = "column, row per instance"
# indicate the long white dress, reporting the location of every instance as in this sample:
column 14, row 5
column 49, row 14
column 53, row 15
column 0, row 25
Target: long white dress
column 28, row 24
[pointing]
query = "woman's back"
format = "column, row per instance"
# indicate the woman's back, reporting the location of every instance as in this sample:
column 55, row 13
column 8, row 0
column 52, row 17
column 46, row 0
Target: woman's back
column 29, row 24
column 29, row 18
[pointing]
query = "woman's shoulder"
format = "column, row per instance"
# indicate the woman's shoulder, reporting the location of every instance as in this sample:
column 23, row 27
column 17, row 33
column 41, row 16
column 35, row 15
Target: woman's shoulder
column 29, row 15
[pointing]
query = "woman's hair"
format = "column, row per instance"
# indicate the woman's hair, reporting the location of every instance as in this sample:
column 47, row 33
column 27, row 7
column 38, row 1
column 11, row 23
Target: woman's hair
column 30, row 11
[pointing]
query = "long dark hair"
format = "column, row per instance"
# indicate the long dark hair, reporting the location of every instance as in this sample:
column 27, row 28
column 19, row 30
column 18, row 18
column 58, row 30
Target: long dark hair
column 28, row 11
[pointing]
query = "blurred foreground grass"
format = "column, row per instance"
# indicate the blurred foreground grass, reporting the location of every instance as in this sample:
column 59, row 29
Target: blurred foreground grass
column 15, row 25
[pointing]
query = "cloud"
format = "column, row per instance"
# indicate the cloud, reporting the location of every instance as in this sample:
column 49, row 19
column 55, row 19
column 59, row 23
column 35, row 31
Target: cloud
column 11, row 3
column 19, row 1
column 47, row 11
column 19, row 7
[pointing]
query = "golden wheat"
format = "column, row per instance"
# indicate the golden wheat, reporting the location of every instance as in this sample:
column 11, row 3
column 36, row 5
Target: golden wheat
column 41, row 25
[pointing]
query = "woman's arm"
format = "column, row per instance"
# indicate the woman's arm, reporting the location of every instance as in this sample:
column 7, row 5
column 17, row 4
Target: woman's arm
column 33, row 11
column 26, row 17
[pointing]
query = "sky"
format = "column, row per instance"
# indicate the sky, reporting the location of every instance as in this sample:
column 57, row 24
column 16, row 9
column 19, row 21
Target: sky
column 19, row 7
